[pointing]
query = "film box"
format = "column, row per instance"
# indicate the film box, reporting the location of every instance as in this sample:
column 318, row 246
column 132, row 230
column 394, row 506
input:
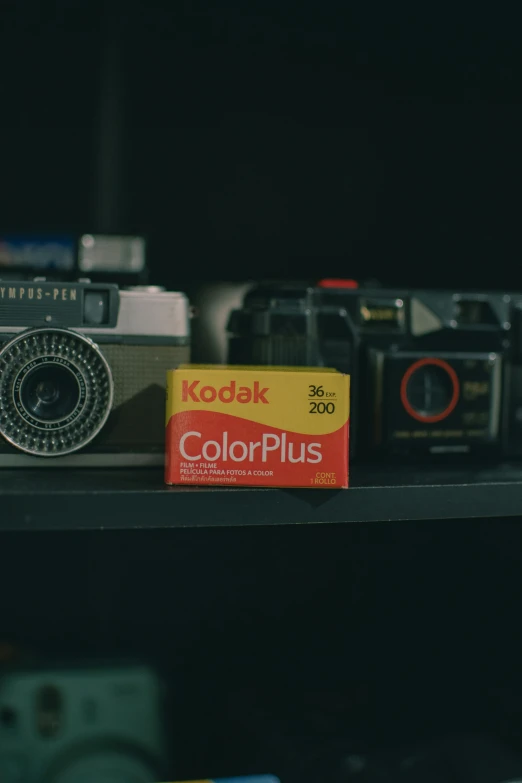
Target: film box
column 257, row 426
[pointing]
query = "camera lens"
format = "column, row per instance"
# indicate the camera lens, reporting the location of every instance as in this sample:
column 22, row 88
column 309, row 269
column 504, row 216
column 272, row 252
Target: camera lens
column 55, row 391
column 429, row 390
column 50, row 392
column 119, row 764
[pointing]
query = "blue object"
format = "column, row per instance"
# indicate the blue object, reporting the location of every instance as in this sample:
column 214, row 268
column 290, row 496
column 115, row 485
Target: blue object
column 255, row 779
column 42, row 253
column 248, row 779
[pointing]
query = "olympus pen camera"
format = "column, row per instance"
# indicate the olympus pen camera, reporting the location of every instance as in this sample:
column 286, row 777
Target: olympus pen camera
column 82, row 726
column 431, row 371
column 82, row 371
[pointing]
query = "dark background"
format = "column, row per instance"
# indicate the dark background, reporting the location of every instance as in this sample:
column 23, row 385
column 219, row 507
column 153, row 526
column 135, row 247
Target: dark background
column 283, row 645
column 270, row 138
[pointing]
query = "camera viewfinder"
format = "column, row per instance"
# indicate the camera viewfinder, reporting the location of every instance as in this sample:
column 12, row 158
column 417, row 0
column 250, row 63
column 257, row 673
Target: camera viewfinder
column 49, row 711
column 475, row 312
column 96, row 308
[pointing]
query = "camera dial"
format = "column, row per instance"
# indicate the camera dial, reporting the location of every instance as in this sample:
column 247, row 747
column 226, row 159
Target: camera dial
column 56, row 391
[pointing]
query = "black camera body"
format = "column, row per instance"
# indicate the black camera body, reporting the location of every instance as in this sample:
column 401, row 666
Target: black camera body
column 432, row 372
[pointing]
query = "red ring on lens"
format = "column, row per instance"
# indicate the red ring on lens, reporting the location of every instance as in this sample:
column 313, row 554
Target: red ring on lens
column 454, row 397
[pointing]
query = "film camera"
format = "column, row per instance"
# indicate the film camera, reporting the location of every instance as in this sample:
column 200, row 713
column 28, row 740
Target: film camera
column 432, row 371
column 78, row 725
column 82, row 371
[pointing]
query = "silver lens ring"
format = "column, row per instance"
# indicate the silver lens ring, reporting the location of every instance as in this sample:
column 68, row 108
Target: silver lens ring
column 56, row 391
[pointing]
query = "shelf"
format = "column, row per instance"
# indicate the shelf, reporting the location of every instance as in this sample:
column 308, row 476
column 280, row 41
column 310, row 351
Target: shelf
column 123, row 499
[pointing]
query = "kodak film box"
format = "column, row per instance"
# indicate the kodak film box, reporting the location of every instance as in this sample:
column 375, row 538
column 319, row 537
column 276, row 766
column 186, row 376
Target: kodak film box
column 257, row 426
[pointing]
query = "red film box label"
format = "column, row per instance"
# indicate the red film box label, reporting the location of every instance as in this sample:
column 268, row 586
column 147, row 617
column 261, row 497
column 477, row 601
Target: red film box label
column 257, row 426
